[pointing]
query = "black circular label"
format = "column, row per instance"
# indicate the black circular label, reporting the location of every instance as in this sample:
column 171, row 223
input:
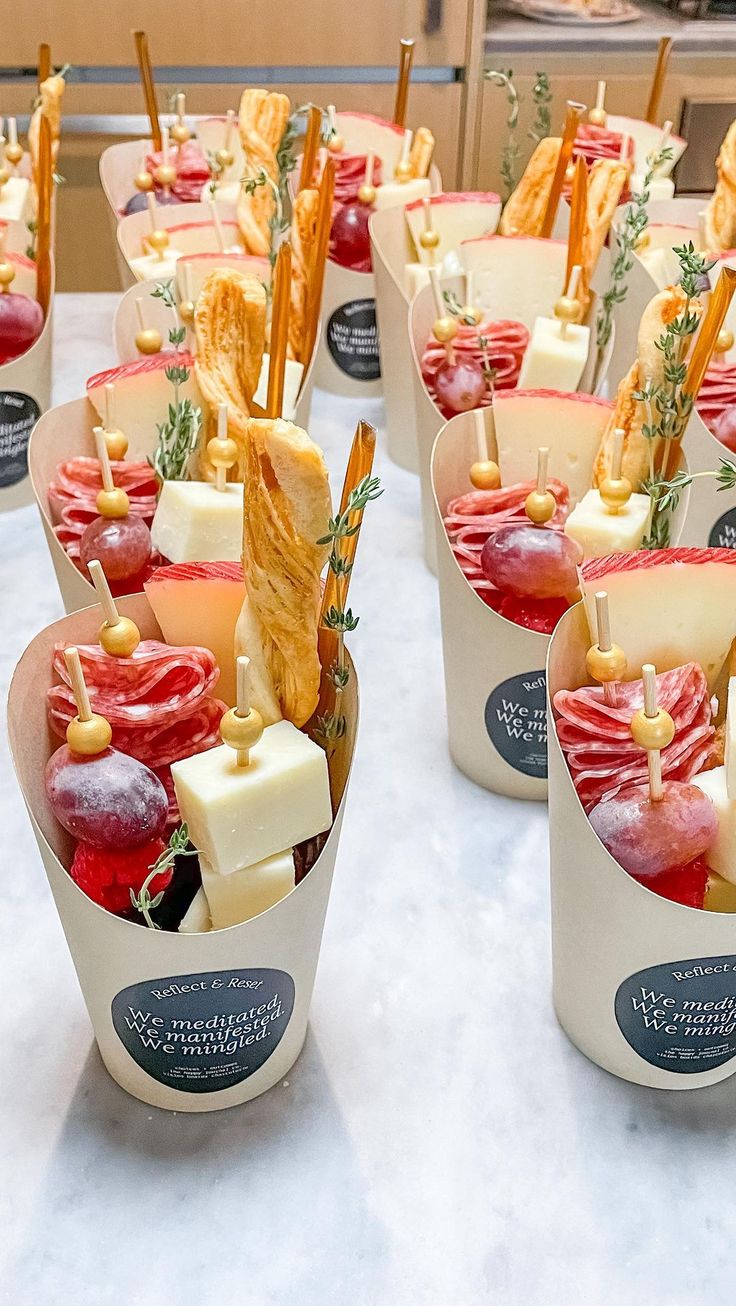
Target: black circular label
column 723, row 532
column 352, row 339
column 516, row 721
column 18, row 416
column 681, row 1016
column 202, row 1033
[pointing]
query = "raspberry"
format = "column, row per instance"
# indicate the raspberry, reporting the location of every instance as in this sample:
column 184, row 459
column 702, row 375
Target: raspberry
column 685, row 884
column 107, row 876
column 535, row 614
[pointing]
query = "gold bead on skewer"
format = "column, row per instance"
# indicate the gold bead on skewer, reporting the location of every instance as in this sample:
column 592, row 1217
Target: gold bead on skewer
column 540, row 508
column 116, row 443
column 724, row 341
column 143, row 181
column 241, row 732
column 180, row 133
column 165, row 174
column 89, row 737
column 615, row 492
column 158, row 240
column 403, row 170
column 366, row 193
column 148, row 341
column 222, row 453
column 445, row 329
column 485, row 475
column 121, row 639
column 113, row 503
column 605, row 665
column 597, row 117
column 567, row 309
column 7, row 273
column 429, row 238
column 652, row 732
column 224, row 158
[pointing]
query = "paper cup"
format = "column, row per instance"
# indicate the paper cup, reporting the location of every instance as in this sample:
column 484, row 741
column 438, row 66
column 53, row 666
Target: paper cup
column 348, row 361
column 638, row 979
column 455, row 217
column 25, row 393
column 118, row 166
column 152, row 996
column 190, row 228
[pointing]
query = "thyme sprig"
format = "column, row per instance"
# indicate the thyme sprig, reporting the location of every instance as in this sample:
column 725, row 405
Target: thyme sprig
column 510, row 154
column 177, row 436
column 178, row 846
column 635, row 224
column 278, row 223
column 456, row 309
column 542, row 97
column 665, row 496
column 331, row 726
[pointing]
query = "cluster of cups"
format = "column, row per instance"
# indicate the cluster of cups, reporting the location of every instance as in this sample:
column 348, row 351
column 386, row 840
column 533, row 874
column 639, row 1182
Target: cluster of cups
column 611, row 936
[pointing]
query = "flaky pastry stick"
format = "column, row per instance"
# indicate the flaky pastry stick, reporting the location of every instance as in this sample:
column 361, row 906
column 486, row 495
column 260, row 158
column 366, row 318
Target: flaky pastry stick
column 230, row 328
column 262, row 120
column 527, row 205
column 303, row 232
column 420, row 154
column 606, row 181
column 719, row 218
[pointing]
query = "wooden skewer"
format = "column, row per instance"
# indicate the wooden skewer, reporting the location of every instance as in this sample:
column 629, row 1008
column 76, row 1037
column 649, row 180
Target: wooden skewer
column 311, row 144
column 617, row 453
column 279, row 331
column 219, row 233
column 45, row 183
column 600, row 96
column 139, row 313
column 623, row 153
column 220, row 471
column 149, row 91
column 44, row 62
column 242, row 672
column 654, row 756
column 571, row 292
column 79, row 687
column 605, row 644
column 439, row 303
column 542, row 465
column 573, row 115
column 370, row 163
column 103, row 459
column 481, row 435
column 104, row 594
column 578, row 214
column 318, row 260
column 109, row 406
column 405, row 149
column 660, row 71
column 152, row 212
column 406, row 59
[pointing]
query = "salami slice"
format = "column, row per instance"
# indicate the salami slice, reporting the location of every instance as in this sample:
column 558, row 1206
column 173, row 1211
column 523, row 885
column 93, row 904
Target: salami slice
column 473, row 517
column 596, row 738
column 192, row 171
column 350, row 175
column 502, row 353
column 78, row 481
column 718, row 395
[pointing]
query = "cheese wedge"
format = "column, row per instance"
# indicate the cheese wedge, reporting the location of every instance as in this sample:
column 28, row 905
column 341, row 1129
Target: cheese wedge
column 569, row 425
column 239, row 815
column 416, row 277
column 552, row 359
column 199, row 603
column 660, row 188
column 15, row 200
column 722, row 854
column 246, row 893
column 142, row 397
column 197, row 918
column 149, row 267
column 195, row 522
column 394, row 193
column 456, row 216
column 600, row 532
column 515, row 277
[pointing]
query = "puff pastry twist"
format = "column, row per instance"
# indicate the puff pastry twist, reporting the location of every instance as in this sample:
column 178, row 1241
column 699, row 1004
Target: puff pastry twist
column 262, row 120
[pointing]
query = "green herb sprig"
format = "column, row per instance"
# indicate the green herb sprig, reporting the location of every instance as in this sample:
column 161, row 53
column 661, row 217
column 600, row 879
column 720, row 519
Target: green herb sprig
column 665, row 496
column 510, row 154
column 331, row 726
column 456, row 309
column 177, row 436
column 542, row 98
column 178, row 846
column 635, row 224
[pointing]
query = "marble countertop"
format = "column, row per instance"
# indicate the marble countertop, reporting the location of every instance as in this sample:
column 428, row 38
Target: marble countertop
column 511, row 33
column 439, row 1140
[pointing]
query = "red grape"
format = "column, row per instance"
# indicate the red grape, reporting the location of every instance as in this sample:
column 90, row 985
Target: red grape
column 21, row 323
column 122, row 545
column 649, row 839
column 110, row 800
column 350, row 244
column 531, row 561
column 460, row 386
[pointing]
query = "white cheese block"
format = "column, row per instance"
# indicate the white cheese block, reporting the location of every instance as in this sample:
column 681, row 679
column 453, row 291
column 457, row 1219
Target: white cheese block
column 730, row 740
column 655, row 262
column 142, row 397
column 237, row 815
column 600, row 532
column 149, row 267
column 660, row 188
column 456, row 216
column 293, row 373
column 515, row 277
column 247, row 892
column 416, row 277
column 393, row 193
column 554, row 360
column 227, row 192
column 721, row 856
column 197, row 918
column 569, row 425
column 199, row 604
column 15, row 200
column 195, row 522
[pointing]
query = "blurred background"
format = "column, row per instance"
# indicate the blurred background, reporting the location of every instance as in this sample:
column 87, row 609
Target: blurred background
column 345, row 52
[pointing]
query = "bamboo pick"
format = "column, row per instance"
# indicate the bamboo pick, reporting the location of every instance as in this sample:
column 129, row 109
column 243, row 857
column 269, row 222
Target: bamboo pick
column 605, row 644
column 654, row 756
column 578, row 211
column 571, row 292
column 79, row 687
column 43, row 238
column 318, row 260
column 103, row 458
column 279, row 331
column 311, row 144
column 481, row 435
column 219, row 233
column 660, row 71
column 104, row 593
column 573, row 115
column 149, row 91
column 406, row 59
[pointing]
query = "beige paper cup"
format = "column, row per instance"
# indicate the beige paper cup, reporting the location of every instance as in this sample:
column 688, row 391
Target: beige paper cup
column 150, row 993
column 25, row 393
column 118, row 166
column 455, row 217
column 633, row 971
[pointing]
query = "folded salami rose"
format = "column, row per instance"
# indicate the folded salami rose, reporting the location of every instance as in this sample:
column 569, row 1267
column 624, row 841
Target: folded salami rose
column 498, row 346
column 78, row 481
column 717, row 400
column 473, row 517
column 192, row 170
column 596, row 738
column 350, row 175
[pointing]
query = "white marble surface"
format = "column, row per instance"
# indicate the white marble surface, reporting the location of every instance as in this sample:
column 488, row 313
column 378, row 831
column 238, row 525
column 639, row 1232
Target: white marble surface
column 439, row 1140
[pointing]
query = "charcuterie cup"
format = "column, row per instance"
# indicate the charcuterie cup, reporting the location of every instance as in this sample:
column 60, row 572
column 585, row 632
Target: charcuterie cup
column 118, row 166
column 494, row 668
column 644, row 987
column 348, row 360
column 394, row 236
column 158, row 1000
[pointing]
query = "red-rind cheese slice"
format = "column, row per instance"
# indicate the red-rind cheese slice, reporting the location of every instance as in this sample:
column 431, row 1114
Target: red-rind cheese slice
column 570, row 425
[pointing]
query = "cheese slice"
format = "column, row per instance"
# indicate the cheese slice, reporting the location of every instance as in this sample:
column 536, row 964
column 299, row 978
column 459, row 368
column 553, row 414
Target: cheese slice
column 394, row 193
column 149, row 267
column 729, row 743
column 569, row 425
column 197, row 918
column 15, row 200
column 660, row 188
column 199, row 603
column 720, row 894
column 238, row 815
column 246, row 893
column 196, row 522
column 721, row 856
column 555, row 359
column 142, row 397
column 600, row 532
column 293, row 373
column 517, row 278
column 456, row 216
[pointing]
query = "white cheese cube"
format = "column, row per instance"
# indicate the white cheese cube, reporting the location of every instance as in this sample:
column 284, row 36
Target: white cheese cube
column 238, row 815
column 195, row 522
column 197, row 918
column 554, row 362
column 293, row 373
column 248, row 892
column 730, row 740
column 393, row 193
column 721, row 856
column 149, row 267
column 15, row 199
column 660, row 188
column 228, row 192
column 655, row 262
column 601, row 532
column 416, row 277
